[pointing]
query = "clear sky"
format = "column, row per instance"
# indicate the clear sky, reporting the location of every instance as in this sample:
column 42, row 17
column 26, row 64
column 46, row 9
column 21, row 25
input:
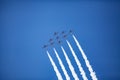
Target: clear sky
column 25, row 26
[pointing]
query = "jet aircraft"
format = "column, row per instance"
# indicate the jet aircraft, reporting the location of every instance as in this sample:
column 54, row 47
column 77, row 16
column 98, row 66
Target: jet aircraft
column 70, row 31
column 51, row 43
column 50, row 40
column 63, row 32
column 64, row 36
column 57, row 37
column 55, row 33
column 44, row 46
column 59, row 42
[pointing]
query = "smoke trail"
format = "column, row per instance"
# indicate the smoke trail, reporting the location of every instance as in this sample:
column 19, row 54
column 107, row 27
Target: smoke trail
column 55, row 67
column 62, row 66
column 70, row 65
column 92, row 73
column 77, row 61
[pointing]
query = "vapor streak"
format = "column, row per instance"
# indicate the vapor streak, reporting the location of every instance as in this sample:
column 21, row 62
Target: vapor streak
column 55, row 67
column 70, row 65
column 77, row 61
column 92, row 73
column 61, row 64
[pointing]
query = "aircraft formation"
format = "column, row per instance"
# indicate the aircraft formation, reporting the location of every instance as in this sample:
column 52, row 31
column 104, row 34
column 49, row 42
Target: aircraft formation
column 57, row 38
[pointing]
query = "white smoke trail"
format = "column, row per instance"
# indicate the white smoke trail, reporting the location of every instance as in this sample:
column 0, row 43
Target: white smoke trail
column 62, row 66
column 92, row 73
column 70, row 65
column 77, row 61
column 55, row 67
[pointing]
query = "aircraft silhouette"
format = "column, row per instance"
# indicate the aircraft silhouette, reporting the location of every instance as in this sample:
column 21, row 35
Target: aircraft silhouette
column 57, row 37
column 50, row 40
column 51, row 43
column 64, row 36
column 44, row 46
column 70, row 31
column 59, row 42
column 55, row 33
column 63, row 32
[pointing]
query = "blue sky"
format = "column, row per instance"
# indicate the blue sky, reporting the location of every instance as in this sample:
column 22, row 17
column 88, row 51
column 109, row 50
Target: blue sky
column 25, row 26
